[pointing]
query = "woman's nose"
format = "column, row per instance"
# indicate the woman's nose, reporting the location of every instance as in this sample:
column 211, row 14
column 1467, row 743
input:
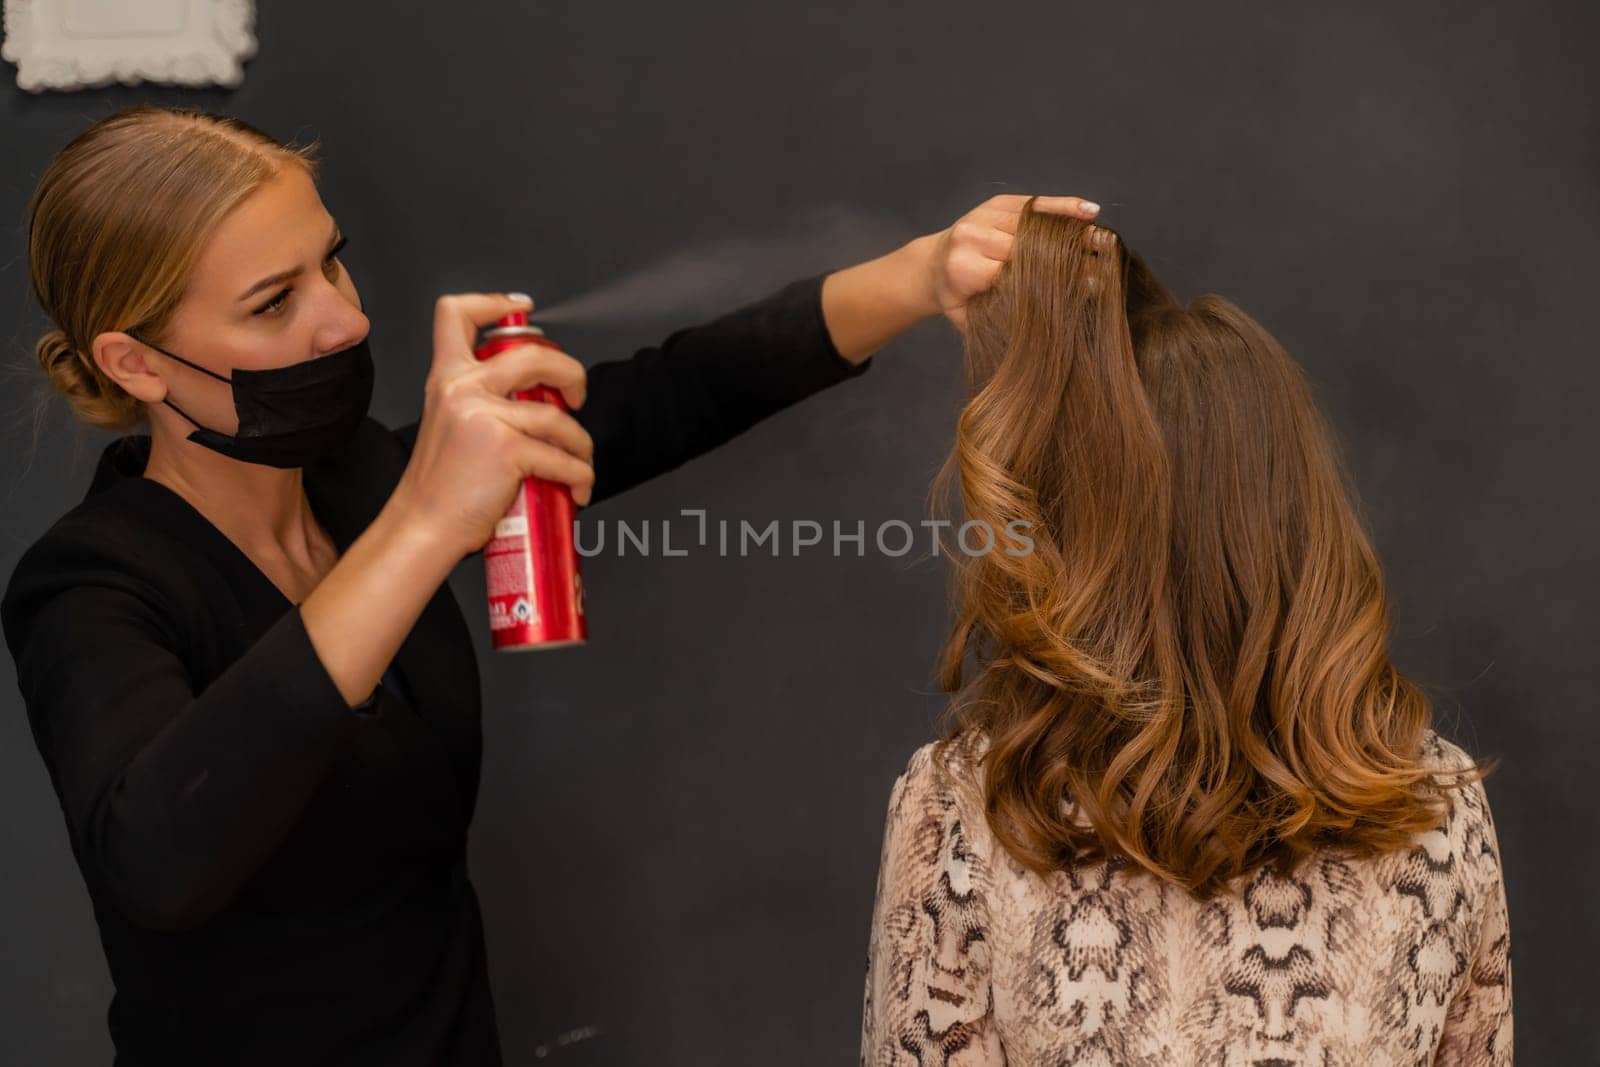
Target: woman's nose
column 347, row 325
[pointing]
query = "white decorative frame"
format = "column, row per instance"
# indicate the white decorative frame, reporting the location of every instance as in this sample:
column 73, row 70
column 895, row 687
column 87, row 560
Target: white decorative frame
column 82, row 44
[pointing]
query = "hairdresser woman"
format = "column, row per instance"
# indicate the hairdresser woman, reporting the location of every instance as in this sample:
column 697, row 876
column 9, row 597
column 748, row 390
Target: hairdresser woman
column 253, row 690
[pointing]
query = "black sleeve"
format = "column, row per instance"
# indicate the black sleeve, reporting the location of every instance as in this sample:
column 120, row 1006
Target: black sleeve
column 704, row 385
column 174, row 799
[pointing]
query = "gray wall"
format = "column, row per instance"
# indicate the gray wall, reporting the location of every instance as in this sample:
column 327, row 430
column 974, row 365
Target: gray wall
column 677, row 837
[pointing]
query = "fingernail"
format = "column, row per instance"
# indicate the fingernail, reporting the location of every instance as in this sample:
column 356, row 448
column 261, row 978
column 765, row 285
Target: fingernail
column 521, row 298
column 1090, row 205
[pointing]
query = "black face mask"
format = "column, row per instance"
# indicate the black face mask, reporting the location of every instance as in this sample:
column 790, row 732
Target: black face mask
column 290, row 416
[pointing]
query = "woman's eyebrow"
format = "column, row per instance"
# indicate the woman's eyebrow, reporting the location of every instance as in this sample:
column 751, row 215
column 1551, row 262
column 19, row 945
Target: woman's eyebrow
column 285, row 275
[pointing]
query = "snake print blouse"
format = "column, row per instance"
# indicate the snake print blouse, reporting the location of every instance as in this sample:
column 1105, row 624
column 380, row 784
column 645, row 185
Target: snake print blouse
column 973, row 960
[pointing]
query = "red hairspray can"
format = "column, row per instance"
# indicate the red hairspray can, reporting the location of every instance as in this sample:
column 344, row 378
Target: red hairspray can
column 531, row 562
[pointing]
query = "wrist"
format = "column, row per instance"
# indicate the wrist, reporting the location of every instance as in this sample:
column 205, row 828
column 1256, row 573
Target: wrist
column 409, row 532
column 920, row 259
column 871, row 303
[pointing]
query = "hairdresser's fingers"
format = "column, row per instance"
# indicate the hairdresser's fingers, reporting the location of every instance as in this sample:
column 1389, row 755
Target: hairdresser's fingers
column 973, row 273
column 547, row 423
column 526, row 366
column 457, row 316
column 1098, row 234
column 999, row 218
column 1007, row 208
column 1007, row 222
column 965, row 274
column 974, row 233
column 1008, row 218
column 1067, row 205
column 1006, row 201
column 534, row 458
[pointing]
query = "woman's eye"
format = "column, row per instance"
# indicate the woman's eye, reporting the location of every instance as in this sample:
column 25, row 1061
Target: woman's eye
column 277, row 302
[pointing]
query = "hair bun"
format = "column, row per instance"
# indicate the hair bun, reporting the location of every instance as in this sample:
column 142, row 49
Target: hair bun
column 59, row 358
column 93, row 396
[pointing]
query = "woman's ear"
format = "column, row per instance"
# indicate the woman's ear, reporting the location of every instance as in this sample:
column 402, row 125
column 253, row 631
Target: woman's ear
column 122, row 359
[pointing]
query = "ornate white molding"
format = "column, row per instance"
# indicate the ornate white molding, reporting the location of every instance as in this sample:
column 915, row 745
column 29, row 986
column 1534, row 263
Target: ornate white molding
column 81, row 44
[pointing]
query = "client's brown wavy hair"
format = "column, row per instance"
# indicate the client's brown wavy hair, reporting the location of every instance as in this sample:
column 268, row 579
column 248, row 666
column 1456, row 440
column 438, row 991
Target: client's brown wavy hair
column 1194, row 651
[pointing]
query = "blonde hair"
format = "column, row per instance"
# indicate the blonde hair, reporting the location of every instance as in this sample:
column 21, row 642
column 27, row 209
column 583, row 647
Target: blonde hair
column 115, row 225
column 1193, row 657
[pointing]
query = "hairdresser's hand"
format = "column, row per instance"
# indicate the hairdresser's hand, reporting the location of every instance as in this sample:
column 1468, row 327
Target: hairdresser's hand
column 965, row 259
column 475, row 445
column 868, row 305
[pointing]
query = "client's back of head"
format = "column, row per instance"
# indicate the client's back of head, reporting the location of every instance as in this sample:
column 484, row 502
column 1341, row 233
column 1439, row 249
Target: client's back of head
column 1194, row 650
column 1186, row 810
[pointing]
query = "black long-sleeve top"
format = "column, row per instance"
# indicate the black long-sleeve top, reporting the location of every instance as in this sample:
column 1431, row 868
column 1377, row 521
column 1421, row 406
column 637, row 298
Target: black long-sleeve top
column 279, row 878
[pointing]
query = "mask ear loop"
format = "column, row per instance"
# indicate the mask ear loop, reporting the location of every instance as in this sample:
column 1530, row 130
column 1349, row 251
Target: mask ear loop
column 196, row 366
column 184, row 413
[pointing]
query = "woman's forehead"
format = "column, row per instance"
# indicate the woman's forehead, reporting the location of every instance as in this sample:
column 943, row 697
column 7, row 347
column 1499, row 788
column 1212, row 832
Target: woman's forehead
column 280, row 226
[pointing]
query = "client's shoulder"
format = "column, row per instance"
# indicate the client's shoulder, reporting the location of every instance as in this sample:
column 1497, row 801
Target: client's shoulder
column 946, row 761
column 945, row 774
column 1458, row 776
column 1443, row 755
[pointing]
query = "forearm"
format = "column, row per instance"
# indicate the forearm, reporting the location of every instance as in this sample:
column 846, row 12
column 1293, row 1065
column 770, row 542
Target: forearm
column 396, row 563
column 176, row 789
column 175, row 798
column 706, row 384
column 866, row 306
